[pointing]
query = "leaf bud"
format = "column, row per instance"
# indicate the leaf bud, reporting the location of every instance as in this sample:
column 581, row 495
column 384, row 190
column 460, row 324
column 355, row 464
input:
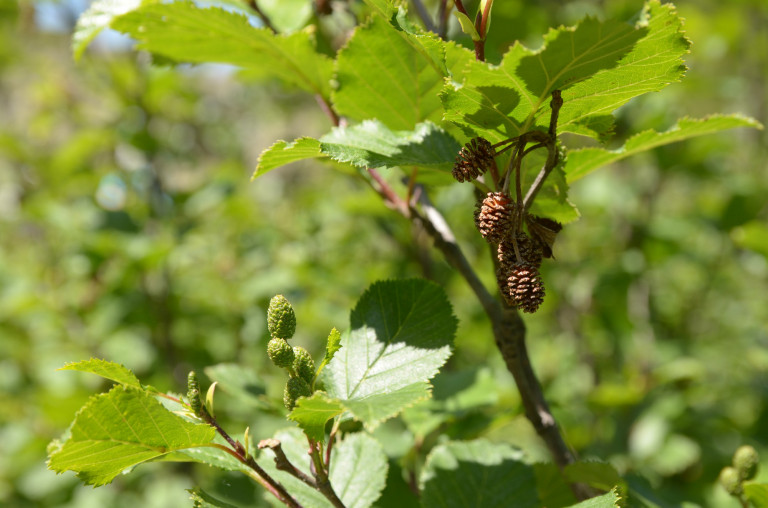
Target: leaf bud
column 281, row 320
column 295, row 388
column 303, row 365
column 280, row 352
column 746, row 461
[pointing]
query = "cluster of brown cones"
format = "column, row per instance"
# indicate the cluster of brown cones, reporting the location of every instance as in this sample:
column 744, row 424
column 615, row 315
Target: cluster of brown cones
column 499, row 219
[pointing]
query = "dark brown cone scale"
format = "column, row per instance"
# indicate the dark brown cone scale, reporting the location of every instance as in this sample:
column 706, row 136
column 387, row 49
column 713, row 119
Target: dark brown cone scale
column 522, row 287
column 493, row 216
column 474, row 159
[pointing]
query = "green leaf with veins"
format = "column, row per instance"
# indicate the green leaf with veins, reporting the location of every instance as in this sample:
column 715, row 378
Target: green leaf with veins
column 106, row 369
column 477, row 473
column 313, row 413
column 401, row 334
column 370, row 144
column 584, row 161
column 381, row 75
column 184, row 32
column 598, row 65
column 120, row 429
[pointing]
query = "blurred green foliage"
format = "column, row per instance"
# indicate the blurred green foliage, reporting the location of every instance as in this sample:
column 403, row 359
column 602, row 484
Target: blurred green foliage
column 129, row 231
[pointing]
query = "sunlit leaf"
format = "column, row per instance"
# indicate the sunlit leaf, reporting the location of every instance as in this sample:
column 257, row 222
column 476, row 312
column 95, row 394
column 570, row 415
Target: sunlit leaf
column 120, row 429
column 477, row 473
column 584, row 161
column 110, row 370
column 401, row 334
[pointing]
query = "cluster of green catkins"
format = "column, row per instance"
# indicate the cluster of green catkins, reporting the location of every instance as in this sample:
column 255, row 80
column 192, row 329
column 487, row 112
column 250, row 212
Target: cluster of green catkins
column 744, row 468
column 281, row 322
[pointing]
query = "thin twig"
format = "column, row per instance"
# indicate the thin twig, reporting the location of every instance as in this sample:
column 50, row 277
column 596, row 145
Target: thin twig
column 424, row 15
column 437, row 227
column 552, row 157
column 284, row 464
column 442, row 16
column 275, row 487
column 480, row 44
column 262, row 16
column 323, row 483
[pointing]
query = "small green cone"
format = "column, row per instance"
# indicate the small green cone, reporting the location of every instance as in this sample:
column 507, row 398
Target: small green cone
column 280, row 352
column 193, row 392
column 729, row 479
column 746, row 461
column 295, row 388
column 303, row 364
column 281, row 320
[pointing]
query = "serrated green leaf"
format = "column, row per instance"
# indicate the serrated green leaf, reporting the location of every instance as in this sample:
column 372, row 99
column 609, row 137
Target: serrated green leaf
column 186, row 33
column 584, row 161
column 201, row 499
column 332, row 345
column 97, row 17
column 238, row 381
column 282, row 153
column 377, row 407
column 383, row 7
column 313, row 413
column 401, row 335
column 600, row 66
column 467, row 25
column 106, row 369
column 656, row 60
column 371, row 144
column 120, row 429
column 358, row 470
column 757, row 494
column 609, row 500
column 381, row 75
column 477, row 473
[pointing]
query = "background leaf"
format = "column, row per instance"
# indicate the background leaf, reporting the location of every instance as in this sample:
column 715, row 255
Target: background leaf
column 401, row 332
column 477, row 473
column 110, row 370
column 237, row 381
column 173, row 30
column 358, row 470
column 582, row 162
column 201, row 499
column 123, row 428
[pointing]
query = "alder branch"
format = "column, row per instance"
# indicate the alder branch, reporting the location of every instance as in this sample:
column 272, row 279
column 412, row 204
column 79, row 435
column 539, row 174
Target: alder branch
column 424, row 16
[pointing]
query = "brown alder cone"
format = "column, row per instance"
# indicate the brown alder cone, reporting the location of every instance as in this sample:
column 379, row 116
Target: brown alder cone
column 493, row 216
column 474, row 159
column 522, row 287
